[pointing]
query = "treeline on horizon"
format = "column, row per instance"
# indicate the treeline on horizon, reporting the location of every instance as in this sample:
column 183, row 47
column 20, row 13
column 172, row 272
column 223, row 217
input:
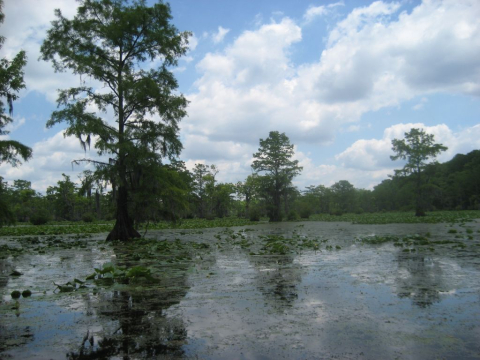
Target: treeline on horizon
column 453, row 185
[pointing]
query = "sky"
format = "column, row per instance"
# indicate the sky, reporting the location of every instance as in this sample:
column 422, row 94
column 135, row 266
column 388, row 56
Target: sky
column 340, row 78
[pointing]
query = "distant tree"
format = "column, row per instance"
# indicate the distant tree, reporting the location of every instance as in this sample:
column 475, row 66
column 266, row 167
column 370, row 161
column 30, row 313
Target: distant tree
column 63, row 197
column 247, row 191
column 223, row 199
column 11, row 82
column 112, row 41
column 417, row 149
column 24, row 201
column 7, row 216
column 274, row 160
column 343, row 197
column 204, row 188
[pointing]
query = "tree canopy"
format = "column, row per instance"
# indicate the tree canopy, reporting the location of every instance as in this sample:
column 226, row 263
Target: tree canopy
column 274, row 160
column 11, row 82
column 417, row 148
column 128, row 47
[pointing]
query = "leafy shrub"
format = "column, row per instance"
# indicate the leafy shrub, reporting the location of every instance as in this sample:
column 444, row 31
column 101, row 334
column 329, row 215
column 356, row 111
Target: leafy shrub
column 254, row 214
column 292, row 215
column 88, row 217
column 41, row 217
column 304, row 211
column 336, row 212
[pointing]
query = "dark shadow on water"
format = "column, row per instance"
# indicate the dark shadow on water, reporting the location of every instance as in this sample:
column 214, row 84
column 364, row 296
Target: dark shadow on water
column 420, row 278
column 138, row 326
column 143, row 329
column 277, row 279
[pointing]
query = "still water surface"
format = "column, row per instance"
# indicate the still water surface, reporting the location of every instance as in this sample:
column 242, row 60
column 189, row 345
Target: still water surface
column 346, row 300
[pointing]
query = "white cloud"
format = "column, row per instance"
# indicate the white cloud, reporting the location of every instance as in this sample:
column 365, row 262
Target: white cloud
column 14, row 125
column 314, row 12
column 420, row 105
column 51, row 157
column 192, row 42
column 374, row 154
column 28, row 35
column 220, row 35
column 376, row 57
column 368, row 64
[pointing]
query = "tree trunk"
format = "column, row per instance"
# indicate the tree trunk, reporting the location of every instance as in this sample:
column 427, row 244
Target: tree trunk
column 275, row 216
column 419, row 203
column 97, row 204
column 123, row 229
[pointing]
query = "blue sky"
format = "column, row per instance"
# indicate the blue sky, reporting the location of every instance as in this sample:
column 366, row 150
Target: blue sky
column 340, row 78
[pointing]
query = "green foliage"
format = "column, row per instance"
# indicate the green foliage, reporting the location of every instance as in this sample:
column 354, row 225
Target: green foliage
column 342, row 198
column 254, row 213
column 417, row 148
column 11, row 82
column 6, row 215
column 292, row 215
column 40, row 217
column 400, row 217
column 304, row 208
column 88, row 217
column 115, row 43
column 273, row 159
column 63, row 197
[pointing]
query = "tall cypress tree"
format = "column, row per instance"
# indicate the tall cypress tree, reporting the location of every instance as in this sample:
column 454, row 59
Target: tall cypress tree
column 129, row 47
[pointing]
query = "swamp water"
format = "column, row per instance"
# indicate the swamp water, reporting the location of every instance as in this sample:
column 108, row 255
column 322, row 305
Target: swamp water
column 306, row 290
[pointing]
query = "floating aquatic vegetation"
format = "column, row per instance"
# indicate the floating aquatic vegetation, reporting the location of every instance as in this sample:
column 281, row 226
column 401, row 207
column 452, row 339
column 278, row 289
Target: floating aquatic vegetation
column 120, row 274
column 15, row 294
column 6, row 251
column 409, row 217
column 71, row 286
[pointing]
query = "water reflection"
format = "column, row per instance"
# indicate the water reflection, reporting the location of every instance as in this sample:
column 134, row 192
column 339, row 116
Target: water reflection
column 135, row 320
column 419, row 278
column 277, row 279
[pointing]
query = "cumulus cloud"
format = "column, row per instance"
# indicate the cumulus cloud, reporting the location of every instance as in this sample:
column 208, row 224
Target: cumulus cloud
column 314, row 12
column 28, row 36
column 192, row 42
column 51, row 157
column 374, row 154
column 377, row 56
column 371, row 61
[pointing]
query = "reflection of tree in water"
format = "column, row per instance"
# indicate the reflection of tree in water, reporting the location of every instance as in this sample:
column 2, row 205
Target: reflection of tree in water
column 423, row 281
column 142, row 327
column 277, row 279
column 11, row 334
column 5, row 268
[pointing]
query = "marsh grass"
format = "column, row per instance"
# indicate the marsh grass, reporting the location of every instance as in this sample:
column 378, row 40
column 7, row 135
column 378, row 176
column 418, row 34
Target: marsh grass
column 58, row 228
column 401, row 217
